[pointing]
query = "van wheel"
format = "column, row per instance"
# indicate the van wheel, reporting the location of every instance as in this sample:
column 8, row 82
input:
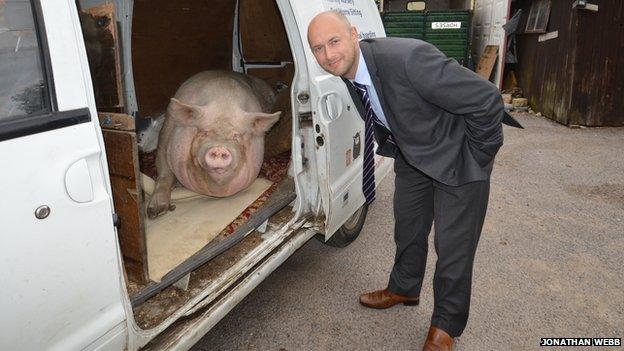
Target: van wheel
column 349, row 231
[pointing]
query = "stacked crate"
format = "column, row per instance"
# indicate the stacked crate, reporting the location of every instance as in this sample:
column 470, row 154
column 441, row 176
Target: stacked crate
column 404, row 24
column 448, row 30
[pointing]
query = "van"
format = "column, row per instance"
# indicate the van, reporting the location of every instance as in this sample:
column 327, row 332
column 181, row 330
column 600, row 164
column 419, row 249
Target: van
column 80, row 81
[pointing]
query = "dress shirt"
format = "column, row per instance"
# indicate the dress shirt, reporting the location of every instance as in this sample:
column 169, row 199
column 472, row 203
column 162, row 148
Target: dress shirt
column 362, row 76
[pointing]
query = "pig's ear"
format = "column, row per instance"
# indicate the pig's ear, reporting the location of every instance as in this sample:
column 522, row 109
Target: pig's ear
column 262, row 122
column 182, row 113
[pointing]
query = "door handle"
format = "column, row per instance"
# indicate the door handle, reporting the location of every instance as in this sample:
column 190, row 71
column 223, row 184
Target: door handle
column 78, row 182
column 331, row 104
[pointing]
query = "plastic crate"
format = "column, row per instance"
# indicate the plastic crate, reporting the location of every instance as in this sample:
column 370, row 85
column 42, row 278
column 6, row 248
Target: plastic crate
column 453, row 42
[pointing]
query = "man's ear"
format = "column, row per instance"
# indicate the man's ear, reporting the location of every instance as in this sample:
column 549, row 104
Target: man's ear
column 262, row 122
column 354, row 33
column 183, row 114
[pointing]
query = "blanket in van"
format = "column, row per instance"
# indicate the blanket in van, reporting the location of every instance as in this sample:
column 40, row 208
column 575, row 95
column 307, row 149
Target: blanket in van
column 198, row 219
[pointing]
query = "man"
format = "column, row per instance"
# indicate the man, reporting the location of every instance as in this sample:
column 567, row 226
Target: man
column 442, row 124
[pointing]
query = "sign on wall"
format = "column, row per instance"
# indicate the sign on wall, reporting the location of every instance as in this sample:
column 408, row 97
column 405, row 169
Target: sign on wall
column 445, row 25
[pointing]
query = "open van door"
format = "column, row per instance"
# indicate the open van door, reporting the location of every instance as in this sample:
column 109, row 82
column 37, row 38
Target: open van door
column 59, row 262
column 339, row 130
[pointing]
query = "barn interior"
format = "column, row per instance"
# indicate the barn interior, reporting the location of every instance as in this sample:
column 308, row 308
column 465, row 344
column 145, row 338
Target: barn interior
column 135, row 73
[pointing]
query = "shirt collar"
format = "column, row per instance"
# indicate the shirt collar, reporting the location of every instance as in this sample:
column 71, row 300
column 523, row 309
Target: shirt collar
column 361, row 75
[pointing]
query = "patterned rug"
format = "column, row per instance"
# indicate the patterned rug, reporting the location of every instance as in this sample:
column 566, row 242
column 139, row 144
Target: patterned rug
column 273, row 168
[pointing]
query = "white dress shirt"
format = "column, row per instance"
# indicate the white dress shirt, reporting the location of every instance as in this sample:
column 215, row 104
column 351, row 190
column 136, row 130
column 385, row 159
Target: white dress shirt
column 363, row 77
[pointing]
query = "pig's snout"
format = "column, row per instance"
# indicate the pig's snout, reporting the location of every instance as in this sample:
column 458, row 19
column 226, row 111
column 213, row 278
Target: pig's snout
column 218, row 158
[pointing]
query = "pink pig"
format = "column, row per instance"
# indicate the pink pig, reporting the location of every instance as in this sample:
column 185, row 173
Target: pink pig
column 212, row 139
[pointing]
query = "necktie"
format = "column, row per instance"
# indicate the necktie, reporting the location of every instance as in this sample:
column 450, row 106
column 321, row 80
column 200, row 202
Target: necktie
column 368, row 178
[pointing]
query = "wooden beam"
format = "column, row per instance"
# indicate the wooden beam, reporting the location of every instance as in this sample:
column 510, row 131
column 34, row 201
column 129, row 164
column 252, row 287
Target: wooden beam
column 99, row 27
column 123, row 166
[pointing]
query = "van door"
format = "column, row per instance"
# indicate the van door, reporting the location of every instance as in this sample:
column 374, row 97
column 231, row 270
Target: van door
column 339, row 130
column 59, row 262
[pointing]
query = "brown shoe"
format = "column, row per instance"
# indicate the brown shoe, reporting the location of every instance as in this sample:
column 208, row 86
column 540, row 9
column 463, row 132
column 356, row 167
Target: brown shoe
column 438, row 340
column 384, row 299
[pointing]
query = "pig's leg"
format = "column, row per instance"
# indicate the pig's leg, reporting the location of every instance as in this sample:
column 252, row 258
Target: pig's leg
column 161, row 198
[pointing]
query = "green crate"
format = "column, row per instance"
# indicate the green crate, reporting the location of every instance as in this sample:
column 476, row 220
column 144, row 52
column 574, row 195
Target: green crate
column 445, row 35
column 463, row 31
column 453, row 42
column 404, row 14
column 404, row 25
column 465, row 17
column 404, row 31
column 412, row 36
column 460, row 42
column 404, row 20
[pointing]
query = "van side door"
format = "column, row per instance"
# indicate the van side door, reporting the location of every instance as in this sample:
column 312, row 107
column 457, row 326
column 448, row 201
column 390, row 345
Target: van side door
column 339, row 129
column 59, row 261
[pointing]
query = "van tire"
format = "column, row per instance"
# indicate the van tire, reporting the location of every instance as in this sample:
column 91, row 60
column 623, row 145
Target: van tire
column 349, row 231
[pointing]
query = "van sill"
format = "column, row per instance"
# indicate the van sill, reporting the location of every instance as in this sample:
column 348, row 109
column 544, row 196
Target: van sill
column 188, row 331
column 283, row 195
column 211, row 281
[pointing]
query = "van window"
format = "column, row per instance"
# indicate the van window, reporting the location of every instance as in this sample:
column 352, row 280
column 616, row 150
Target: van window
column 23, row 87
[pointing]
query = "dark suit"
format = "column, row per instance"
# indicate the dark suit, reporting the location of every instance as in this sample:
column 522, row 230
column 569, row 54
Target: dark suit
column 446, row 122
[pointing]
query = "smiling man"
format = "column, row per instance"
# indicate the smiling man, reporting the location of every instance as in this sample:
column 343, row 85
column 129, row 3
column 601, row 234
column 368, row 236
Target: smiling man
column 442, row 124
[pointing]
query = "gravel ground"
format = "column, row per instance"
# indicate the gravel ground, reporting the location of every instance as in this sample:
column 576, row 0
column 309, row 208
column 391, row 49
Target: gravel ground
column 549, row 263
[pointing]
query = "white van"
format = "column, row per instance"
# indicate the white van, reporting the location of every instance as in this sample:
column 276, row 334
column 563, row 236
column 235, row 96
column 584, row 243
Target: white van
column 75, row 260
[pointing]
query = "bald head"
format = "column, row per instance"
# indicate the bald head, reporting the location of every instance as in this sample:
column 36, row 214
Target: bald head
column 334, row 43
column 326, row 17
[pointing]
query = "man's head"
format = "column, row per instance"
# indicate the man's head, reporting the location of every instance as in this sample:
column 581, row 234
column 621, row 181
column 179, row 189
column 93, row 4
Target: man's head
column 334, row 43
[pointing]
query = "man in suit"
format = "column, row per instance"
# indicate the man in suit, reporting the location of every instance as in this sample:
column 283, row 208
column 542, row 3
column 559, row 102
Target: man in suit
column 442, row 124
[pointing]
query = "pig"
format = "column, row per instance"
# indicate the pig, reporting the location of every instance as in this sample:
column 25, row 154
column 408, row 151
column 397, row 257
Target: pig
column 212, row 138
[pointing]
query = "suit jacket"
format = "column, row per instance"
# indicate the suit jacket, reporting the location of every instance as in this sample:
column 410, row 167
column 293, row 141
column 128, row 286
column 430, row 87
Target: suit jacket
column 445, row 119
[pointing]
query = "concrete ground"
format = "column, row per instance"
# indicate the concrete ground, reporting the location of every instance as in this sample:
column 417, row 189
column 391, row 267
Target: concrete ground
column 549, row 263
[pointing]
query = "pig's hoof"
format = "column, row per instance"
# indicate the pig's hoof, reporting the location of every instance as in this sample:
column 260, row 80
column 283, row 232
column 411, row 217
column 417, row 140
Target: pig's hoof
column 155, row 210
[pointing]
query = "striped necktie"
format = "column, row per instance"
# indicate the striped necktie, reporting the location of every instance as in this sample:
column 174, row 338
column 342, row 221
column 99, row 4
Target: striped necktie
column 368, row 178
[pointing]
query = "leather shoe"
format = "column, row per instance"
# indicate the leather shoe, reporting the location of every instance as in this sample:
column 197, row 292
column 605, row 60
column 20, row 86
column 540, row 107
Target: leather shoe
column 438, row 340
column 384, row 298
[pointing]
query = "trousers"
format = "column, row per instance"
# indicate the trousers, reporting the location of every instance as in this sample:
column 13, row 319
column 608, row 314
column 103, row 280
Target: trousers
column 458, row 213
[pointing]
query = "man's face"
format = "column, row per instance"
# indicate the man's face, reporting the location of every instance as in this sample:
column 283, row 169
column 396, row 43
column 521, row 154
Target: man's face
column 334, row 45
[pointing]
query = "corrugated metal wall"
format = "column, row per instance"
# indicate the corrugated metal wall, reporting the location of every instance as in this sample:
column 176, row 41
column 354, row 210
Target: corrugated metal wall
column 577, row 78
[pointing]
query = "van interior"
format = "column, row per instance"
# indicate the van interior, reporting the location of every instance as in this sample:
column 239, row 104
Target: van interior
column 139, row 53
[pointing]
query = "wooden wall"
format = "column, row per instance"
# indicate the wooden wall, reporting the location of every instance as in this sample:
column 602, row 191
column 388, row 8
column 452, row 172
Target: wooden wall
column 598, row 95
column 263, row 36
column 576, row 78
column 173, row 40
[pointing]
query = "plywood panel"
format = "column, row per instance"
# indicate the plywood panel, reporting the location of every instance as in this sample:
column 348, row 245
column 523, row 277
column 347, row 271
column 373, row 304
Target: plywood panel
column 487, row 61
column 263, row 36
column 173, row 40
column 122, row 155
column 99, row 29
column 274, row 75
